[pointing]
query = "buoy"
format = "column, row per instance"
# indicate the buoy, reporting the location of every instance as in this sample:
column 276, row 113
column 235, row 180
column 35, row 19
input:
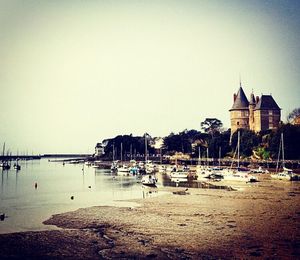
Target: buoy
column 2, row 216
column 90, row 187
column 35, row 185
column 72, row 197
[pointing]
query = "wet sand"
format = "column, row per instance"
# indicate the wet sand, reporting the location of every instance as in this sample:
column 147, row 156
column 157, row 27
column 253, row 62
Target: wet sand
column 259, row 220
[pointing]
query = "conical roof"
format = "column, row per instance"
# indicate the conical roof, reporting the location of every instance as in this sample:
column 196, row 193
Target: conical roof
column 241, row 101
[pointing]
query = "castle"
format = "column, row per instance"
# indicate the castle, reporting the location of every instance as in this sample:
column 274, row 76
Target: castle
column 258, row 114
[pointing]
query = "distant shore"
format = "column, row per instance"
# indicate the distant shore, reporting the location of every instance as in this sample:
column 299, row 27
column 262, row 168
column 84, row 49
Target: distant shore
column 258, row 220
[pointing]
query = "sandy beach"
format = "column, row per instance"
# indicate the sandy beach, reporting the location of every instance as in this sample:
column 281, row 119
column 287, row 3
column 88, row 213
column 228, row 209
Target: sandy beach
column 257, row 220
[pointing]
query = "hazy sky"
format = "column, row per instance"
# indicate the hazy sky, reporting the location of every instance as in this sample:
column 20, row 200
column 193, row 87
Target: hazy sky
column 75, row 72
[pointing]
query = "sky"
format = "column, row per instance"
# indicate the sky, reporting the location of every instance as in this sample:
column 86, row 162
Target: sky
column 73, row 73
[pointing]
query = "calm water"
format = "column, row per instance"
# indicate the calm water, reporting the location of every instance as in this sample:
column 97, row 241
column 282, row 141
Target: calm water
column 26, row 207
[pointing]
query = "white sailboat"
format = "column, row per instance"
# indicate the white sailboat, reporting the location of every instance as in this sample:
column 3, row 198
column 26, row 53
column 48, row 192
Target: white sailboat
column 238, row 174
column 149, row 180
column 180, row 174
column 124, row 170
column 286, row 174
column 202, row 171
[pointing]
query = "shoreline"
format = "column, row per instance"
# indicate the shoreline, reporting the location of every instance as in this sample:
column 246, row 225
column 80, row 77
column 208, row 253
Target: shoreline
column 260, row 220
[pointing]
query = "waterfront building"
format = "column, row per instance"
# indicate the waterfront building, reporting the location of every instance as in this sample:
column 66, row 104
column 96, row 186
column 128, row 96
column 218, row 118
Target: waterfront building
column 257, row 114
column 99, row 149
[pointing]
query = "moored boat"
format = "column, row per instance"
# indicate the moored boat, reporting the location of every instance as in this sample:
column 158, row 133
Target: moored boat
column 124, row 170
column 286, row 174
column 179, row 174
column 149, row 180
column 238, row 174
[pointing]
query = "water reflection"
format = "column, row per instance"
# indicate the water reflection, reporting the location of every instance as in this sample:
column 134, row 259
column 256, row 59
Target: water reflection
column 56, row 184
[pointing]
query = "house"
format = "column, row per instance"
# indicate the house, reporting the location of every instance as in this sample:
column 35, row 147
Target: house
column 99, row 149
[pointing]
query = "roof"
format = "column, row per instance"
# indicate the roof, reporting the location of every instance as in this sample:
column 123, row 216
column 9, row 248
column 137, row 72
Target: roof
column 267, row 102
column 241, row 101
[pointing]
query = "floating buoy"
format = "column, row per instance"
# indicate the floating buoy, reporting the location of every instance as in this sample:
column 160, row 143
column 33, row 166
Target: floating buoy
column 72, row 197
column 90, row 187
column 35, row 185
column 2, row 216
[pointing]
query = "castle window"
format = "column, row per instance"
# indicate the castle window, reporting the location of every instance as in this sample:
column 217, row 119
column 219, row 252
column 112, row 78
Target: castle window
column 270, row 112
column 238, row 123
column 270, row 120
column 246, row 113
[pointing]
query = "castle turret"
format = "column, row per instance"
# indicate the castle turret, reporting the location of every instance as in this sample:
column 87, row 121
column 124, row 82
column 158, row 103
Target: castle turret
column 239, row 113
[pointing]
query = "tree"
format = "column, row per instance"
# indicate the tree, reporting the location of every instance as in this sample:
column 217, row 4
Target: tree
column 248, row 141
column 292, row 116
column 291, row 136
column 211, row 125
column 181, row 142
column 219, row 141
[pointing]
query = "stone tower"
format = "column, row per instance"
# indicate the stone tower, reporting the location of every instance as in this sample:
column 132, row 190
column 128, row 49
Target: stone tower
column 239, row 113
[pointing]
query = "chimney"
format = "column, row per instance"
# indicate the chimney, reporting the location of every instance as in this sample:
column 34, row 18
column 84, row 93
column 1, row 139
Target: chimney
column 257, row 99
column 234, row 97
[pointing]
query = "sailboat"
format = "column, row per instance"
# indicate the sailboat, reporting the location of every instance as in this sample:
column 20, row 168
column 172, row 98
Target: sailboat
column 4, row 164
column 238, row 174
column 17, row 166
column 124, row 169
column 149, row 179
column 286, row 174
column 201, row 170
column 115, row 164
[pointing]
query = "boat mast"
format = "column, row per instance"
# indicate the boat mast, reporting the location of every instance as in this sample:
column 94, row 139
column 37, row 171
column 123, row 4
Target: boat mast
column 121, row 151
column 238, row 149
column 160, row 155
column 113, row 155
column 3, row 151
column 199, row 156
column 219, row 156
column 146, row 147
column 282, row 151
column 207, row 157
column 277, row 165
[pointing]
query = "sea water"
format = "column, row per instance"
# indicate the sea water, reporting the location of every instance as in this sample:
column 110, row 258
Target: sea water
column 42, row 188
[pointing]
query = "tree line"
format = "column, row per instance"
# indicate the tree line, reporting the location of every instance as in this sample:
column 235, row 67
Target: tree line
column 212, row 141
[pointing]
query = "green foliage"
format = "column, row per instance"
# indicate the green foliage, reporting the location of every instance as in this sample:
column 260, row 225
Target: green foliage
column 181, row 142
column 248, row 141
column 219, row 141
column 295, row 113
column 189, row 141
column 291, row 136
column 263, row 153
column 133, row 144
column 266, row 144
column 211, row 125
